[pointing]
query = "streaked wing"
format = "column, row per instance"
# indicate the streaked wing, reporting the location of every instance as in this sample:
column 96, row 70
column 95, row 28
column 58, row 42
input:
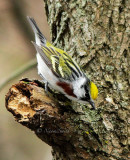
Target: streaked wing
column 59, row 62
column 43, row 55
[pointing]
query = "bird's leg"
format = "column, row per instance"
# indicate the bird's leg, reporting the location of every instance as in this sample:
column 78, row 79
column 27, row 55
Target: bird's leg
column 43, row 79
column 46, row 87
column 45, row 82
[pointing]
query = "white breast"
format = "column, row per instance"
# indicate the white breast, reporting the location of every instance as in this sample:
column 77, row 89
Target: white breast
column 46, row 72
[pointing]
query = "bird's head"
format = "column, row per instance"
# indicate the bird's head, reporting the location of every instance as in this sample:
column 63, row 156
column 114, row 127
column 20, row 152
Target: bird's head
column 90, row 93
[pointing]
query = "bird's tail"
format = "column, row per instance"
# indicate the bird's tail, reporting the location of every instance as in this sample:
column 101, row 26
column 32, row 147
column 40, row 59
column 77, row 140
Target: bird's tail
column 39, row 37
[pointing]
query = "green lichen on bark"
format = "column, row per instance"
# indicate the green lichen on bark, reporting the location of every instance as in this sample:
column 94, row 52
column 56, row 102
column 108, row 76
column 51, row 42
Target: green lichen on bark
column 95, row 34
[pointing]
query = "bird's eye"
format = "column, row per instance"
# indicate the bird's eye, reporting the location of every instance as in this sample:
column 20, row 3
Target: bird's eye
column 82, row 86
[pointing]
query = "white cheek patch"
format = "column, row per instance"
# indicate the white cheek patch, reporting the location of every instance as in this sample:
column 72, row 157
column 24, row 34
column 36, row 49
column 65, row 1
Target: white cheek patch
column 80, row 92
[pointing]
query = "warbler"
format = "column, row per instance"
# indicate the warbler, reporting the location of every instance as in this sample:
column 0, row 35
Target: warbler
column 60, row 71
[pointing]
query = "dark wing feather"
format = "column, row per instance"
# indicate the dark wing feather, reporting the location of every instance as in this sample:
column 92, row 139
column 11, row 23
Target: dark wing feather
column 61, row 65
column 43, row 56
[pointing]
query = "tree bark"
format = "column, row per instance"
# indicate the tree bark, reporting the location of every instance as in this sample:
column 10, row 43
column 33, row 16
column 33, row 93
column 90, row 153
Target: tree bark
column 95, row 34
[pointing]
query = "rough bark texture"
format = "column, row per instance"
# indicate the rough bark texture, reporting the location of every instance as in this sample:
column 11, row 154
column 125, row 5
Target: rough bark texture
column 95, row 33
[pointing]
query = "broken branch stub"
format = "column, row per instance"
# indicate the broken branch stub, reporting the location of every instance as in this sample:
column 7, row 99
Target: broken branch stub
column 35, row 109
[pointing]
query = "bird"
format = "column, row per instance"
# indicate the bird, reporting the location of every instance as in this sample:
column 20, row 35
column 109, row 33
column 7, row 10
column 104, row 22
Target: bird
column 59, row 71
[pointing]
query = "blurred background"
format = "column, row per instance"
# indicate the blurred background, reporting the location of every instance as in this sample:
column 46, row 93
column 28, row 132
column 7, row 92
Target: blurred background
column 16, row 50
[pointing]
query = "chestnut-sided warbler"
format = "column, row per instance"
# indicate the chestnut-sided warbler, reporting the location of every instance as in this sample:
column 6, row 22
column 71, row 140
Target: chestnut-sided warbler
column 60, row 71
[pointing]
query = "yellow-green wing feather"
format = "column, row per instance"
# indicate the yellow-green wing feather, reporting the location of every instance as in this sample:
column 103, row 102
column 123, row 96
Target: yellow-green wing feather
column 65, row 71
column 62, row 63
column 56, row 49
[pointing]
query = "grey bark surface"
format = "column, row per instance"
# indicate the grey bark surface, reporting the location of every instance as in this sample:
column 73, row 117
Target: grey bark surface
column 95, row 34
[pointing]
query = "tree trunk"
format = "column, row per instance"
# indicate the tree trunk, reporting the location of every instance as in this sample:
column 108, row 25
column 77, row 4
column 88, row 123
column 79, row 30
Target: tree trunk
column 95, row 34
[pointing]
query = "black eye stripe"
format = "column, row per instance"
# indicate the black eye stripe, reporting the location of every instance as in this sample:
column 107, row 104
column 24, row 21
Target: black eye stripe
column 86, row 87
column 87, row 95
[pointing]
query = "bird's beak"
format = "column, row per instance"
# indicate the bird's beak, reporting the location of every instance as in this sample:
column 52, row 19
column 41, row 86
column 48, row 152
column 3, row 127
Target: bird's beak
column 92, row 104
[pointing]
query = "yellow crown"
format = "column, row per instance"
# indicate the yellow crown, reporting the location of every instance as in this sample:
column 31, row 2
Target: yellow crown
column 93, row 90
